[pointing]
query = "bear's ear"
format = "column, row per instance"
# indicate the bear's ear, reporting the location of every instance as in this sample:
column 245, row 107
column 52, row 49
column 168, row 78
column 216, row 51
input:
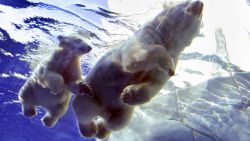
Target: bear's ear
column 60, row 37
column 168, row 5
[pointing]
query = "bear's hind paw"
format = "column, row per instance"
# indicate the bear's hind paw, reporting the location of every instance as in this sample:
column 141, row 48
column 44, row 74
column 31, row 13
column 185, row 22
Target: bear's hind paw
column 48, row 121
column 102, row 132
column 89, row 130
column 28, row 110
column 29, row 113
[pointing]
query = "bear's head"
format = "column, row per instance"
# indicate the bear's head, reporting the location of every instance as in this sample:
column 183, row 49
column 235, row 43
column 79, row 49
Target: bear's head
column 179, row 24
column 73, row 44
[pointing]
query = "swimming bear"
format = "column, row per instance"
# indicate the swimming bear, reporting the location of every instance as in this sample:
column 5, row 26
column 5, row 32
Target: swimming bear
column 133, row 73
column 52, row 81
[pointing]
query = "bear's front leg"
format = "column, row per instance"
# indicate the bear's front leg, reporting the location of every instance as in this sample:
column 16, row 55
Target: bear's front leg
column 80, row 88
column 143, row 92
column 52, row 81
column 134, row 95
column 140, row 93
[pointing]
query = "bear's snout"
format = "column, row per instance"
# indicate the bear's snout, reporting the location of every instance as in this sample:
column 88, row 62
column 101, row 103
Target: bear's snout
column 89, row 48
column 196, row 7
column 85, row 49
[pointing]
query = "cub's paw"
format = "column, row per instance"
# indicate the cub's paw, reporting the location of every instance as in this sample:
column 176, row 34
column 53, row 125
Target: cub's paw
column 54, row 82
column 48, row 121
column 133, row 95
column 29, row 112
column 85, row 89
column 57, row 88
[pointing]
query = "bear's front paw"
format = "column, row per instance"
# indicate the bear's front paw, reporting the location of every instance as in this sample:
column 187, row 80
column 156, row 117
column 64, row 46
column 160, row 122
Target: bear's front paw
column 127, row 96
column 57, row 89
column 85, row 89
column 54, row 82
column 133, row 95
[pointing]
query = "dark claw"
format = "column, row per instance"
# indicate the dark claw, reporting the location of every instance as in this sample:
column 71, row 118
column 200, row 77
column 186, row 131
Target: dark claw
column 85, row 88
column 126, row 98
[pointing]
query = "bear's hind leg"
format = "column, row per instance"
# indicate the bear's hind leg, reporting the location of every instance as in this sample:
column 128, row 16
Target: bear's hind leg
column 53, row 115
column 55, row 112
column 102, row 130
column 48, row 120
column 119, row 118
column 86, row 109
column 27, row 100
column 88, row 129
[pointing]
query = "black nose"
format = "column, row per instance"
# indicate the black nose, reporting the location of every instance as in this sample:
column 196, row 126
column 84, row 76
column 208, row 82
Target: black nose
column 89, row 48
column 85, row 49
column 196, row 7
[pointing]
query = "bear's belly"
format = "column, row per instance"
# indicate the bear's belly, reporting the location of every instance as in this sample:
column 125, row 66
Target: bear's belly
column 43, row 97
column 108, row 80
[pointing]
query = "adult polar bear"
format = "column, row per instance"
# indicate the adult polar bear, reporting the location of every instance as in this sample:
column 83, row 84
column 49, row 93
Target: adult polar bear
column 135, row 72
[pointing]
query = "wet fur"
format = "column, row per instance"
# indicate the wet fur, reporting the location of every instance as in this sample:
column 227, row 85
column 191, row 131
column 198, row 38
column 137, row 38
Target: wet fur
column 52, row 82
column 135, row 72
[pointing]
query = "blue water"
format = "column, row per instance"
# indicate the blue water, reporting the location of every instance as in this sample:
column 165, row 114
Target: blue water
column 210, row 93
column 14, row 126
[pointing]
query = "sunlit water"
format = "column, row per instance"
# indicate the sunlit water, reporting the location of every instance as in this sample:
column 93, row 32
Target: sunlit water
column 209, row 95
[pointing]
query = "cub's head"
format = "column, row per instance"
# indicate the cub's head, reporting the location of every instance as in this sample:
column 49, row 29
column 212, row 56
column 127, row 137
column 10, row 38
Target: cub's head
column 180, row 23
column 74, row 44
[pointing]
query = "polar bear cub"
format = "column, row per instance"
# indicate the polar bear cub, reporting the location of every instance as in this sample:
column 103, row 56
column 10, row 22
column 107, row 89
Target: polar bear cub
column 52, row 81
